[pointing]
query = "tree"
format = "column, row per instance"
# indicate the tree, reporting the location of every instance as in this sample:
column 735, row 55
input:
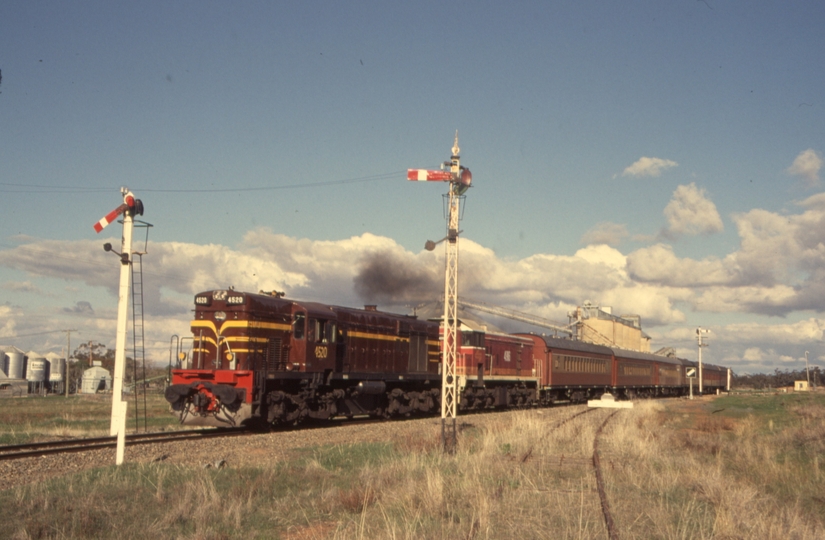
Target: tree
column 87, row 353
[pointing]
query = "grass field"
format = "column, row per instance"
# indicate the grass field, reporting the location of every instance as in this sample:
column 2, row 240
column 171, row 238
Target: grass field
column 32, row 419
column 739, row 466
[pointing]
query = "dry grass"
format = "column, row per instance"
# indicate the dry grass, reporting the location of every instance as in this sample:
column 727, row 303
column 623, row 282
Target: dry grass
column 716, row 476
column 726, row 478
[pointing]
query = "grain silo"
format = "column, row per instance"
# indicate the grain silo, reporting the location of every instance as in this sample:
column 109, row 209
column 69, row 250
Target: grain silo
column 37, row 371
column 57, row 371
column 4, row 361
column 15, row 362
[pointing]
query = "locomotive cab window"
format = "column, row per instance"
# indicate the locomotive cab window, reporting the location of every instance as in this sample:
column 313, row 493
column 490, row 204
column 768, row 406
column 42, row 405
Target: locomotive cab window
column 299, row 325
column 322, row 331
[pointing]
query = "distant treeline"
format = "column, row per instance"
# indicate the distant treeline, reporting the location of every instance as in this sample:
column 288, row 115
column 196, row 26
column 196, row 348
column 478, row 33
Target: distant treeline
column 777, row 379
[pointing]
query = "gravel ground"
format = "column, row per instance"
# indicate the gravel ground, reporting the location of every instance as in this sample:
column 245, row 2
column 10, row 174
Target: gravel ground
column 256, row 450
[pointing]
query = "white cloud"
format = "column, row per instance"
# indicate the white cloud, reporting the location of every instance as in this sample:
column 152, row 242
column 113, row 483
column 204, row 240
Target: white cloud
column 605, row 233
column 752, row 354
column 690, row 212
column 9, row 325
column 647, row 166
column 807, row 166
column 778, row 268
column 659, row 264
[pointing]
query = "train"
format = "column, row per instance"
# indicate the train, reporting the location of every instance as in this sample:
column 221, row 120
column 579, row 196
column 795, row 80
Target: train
column 263, row 359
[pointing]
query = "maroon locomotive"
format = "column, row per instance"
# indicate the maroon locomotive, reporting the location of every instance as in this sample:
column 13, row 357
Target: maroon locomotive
column 263, row 358
column 259, row 356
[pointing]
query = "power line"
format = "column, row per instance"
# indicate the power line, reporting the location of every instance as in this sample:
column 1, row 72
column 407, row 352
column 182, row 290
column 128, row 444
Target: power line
column 34, row 188
column 37, row 334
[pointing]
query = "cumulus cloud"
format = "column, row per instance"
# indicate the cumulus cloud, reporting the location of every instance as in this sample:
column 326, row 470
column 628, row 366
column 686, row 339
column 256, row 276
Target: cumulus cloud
column 690, row 212
column 611, row 234
column 752, row 354
column 778, row 268
column 648, row 166
column 9, row 325
column 659, row 264
column 806, row 166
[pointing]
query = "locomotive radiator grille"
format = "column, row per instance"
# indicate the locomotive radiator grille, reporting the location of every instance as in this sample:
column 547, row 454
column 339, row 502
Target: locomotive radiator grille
column 275, row 356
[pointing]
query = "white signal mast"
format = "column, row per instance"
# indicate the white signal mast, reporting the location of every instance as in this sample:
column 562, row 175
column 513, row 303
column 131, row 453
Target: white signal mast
column 129, row 208
column 460, row 179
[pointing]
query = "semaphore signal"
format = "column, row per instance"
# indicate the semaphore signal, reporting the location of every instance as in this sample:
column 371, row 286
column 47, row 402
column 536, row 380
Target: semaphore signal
column 460, row 179
column 128, row 209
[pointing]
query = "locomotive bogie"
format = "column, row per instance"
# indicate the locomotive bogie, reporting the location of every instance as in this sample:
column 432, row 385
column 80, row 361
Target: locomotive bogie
column 211, row 398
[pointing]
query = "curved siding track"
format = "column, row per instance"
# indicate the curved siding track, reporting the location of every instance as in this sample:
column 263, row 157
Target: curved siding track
column 570, row 475
column 612, row 532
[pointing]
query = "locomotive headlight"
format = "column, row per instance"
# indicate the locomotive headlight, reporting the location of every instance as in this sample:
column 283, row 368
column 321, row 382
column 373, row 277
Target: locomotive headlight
column 220, row 315
column 230, row 356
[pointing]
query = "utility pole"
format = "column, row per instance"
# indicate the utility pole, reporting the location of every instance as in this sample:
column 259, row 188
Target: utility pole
column 699, row 332
column 68, row 352
column 460, row 180
column 807, row 369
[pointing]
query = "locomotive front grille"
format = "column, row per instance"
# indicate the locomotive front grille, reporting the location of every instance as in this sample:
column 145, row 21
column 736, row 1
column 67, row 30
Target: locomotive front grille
column 275, row 360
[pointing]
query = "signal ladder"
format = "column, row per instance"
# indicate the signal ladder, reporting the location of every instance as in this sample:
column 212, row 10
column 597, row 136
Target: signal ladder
column 138, row 333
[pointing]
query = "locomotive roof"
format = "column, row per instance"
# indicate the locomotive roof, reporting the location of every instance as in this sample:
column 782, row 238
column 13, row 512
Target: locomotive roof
column 318, row 309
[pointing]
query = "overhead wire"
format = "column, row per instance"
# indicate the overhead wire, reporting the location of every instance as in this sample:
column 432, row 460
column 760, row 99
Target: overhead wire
column 40, row 188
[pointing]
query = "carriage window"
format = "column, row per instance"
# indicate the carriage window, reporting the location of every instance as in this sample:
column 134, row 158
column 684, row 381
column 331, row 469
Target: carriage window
column 299, row 325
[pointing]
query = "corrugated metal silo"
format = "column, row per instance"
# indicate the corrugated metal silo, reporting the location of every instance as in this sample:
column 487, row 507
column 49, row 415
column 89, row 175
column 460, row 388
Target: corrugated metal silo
column 16, row 362
column 4, row 361
column 57, row 365
column 36, row 367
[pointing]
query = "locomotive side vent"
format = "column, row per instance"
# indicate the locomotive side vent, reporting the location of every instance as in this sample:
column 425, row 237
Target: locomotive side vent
column 275, row 356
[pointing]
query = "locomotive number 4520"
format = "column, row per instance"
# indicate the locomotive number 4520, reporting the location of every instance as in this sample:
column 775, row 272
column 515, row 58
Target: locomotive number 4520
column 321, row 352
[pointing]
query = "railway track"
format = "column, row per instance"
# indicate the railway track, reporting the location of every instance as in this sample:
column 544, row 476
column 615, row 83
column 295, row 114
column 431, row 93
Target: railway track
column 20, row 451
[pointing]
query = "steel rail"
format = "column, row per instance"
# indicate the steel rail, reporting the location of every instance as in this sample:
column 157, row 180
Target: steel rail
column 19, row 451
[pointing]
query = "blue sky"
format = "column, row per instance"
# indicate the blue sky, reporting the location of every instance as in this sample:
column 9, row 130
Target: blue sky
column 662, row 158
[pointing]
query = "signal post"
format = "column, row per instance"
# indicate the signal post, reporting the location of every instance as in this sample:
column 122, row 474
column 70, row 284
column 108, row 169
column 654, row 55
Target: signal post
column 459, row 179
column 129, row 208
